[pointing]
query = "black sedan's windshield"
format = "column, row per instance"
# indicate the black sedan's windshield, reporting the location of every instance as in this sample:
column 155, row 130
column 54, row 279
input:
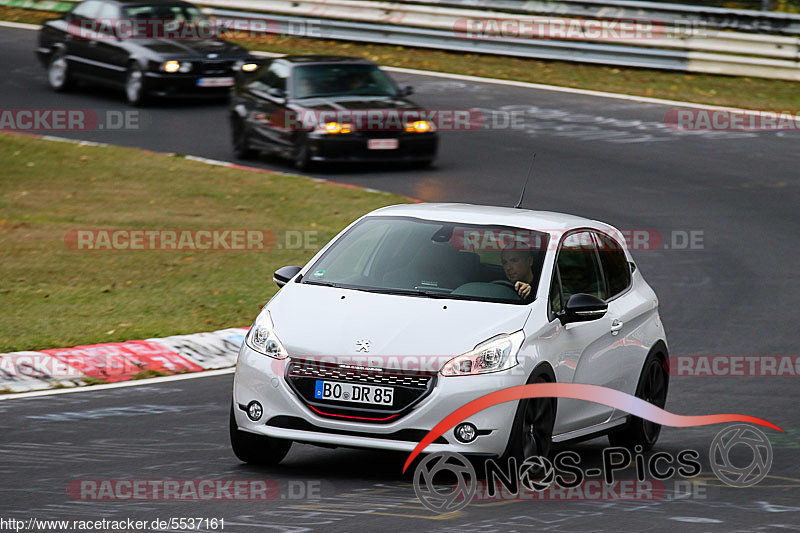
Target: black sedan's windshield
column 161, row 18
column 342, row 80
column 414, row 257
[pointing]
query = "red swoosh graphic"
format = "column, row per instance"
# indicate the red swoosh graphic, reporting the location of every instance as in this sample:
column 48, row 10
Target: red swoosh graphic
column 590, row 393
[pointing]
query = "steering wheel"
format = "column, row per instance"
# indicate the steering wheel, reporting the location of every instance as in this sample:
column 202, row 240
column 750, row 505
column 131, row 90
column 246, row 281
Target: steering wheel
column 504, row 282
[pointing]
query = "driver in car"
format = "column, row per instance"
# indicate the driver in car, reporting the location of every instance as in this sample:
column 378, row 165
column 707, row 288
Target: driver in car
column 518, row 267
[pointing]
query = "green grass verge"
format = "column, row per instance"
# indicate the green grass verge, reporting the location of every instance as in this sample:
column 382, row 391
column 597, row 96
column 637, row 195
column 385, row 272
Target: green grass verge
column 54, row 296
column 755, row 93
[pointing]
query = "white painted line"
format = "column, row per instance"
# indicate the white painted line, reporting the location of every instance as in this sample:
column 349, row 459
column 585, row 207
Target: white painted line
column 19, row 25
column 121, row 384
column 569, row 90
column 207, row 161
column 511, row 83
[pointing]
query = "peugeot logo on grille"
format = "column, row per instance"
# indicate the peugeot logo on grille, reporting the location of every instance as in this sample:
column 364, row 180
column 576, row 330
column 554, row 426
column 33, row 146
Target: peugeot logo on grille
column 362, row 345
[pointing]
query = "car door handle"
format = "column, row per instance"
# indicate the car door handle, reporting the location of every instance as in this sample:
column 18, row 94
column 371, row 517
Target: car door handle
column 616, row 326
column 92, row 43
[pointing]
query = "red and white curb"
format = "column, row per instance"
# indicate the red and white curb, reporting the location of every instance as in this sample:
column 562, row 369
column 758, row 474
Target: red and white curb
column 118, row 361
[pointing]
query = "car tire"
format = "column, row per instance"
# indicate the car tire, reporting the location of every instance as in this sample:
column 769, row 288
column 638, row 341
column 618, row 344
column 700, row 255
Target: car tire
column 652, row 387
column 532, row 429
column 302, row 157
column 135, row 86
column 58, row 74
column 256, row 449
column 241, row 140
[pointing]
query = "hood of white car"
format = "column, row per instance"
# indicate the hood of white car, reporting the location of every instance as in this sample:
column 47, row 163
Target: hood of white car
column 324, row 321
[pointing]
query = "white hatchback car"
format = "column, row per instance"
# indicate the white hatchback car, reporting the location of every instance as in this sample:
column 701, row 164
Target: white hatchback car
column 414, row 310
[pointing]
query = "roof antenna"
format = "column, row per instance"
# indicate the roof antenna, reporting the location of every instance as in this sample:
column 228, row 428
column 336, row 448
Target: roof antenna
column 530, row 170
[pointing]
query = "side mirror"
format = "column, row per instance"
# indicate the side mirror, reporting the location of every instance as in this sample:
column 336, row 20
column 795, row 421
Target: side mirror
column 283, row 275
column 408, row 90
column 583, row 308
column 277, row 93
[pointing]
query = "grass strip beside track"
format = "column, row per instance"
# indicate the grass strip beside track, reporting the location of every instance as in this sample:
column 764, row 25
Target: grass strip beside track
column 53, row 296
column 732, row 91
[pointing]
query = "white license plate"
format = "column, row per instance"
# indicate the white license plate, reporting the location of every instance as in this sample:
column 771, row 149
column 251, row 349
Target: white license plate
column 353, row 392
column 382, row 144
column 215, row 82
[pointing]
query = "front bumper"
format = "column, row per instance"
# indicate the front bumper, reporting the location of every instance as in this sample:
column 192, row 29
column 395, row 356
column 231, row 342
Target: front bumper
column 414, row 147
column 287, row 416
column 183, row 85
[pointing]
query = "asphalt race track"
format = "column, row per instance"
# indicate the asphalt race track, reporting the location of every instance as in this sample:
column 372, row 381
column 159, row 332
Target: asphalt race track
column 609, row 159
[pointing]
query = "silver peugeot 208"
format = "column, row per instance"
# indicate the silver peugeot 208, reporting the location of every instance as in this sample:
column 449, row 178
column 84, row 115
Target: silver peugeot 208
column 413, row 311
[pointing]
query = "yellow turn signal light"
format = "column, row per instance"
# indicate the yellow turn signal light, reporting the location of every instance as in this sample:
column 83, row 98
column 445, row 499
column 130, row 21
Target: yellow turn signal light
column 335, row 127
column 419, row 126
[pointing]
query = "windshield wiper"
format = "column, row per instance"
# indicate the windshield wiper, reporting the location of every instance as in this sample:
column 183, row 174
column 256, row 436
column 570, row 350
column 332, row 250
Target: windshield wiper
column 413, row 292
column 383, row 290
column 322, row 283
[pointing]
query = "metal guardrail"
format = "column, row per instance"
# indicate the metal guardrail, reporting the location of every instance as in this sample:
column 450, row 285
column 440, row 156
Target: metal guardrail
column 711, row 17
column 431, row 25
column 428, row 26
column 674, row 37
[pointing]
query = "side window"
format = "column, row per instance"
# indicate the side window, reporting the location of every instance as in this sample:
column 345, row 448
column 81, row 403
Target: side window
column 578, row 268
column 281, row 73
column 86, row 10
column 616, row 270
column 108, row 11
column 273, row 77
column 108, row 17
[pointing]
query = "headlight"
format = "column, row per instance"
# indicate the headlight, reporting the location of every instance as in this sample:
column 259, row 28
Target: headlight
column 420, row 126
column 493, row 355
column 262, row 338
column 176, row 66
column 333, row 128
column 247, row 66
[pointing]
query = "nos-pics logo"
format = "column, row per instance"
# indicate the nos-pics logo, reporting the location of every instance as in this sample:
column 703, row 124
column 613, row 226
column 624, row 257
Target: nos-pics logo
column 446, row 482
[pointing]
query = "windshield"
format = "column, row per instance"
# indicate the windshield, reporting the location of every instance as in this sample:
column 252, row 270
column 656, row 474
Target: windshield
column 158, row 20
column 409, row 256
column 342, row 80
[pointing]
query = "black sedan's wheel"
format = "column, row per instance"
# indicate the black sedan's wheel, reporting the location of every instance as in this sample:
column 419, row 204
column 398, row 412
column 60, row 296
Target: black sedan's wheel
column 256, row 449
column 58, row 74
column 134, row 85
column 652, row 387
column 241, row 140
column 532, row 432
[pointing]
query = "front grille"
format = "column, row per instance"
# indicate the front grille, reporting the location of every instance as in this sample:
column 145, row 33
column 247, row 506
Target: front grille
column 361, row 376
column 408, row 388
column 221, row 68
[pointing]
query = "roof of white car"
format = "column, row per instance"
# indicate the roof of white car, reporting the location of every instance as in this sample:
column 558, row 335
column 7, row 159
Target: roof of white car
column 490, row 215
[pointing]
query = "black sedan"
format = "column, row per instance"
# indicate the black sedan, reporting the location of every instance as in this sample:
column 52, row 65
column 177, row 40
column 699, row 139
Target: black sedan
column 148, row 48
column 314, row 109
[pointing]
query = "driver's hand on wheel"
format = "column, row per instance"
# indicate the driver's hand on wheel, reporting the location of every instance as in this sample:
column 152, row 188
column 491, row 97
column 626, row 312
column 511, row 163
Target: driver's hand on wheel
column 523, row 289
